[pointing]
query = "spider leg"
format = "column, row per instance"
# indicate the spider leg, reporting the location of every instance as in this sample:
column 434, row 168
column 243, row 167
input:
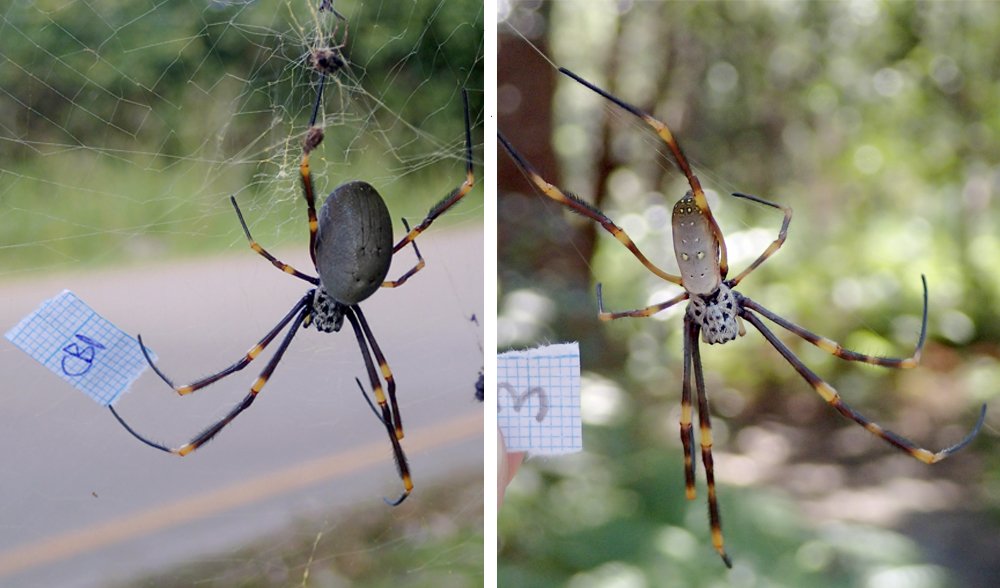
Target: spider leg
column 664, row 132
column 832, row 397
column 836, row 349
column 390, row 381
column 397, row 451
column 637, row 313
column 263, row 252
column 369, row 401
column 243, row 361
column 455, row 195
column 416, row 268
column 213, row 430
column 314, row 136
column 578, row 206
column 774, row 246
column 328, row 5
column 705, row 428
column 687, row 431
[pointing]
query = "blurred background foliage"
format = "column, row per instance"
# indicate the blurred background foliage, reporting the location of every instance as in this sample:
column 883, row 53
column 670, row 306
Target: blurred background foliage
column 124, row 127
column 879, row 124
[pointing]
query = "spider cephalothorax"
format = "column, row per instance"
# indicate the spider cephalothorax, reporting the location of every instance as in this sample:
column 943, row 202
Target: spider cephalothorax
column 717, row 315
column 327, row 314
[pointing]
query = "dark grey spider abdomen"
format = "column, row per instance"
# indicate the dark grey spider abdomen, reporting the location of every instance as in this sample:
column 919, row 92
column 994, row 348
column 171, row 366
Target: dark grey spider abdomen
column 353, row 242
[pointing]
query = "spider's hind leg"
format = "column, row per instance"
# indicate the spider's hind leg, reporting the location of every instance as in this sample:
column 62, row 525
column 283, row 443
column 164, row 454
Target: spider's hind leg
column 832, row 397
column 250, row 355
column 705, row 433
column 687, row 430
column 393, row 425
column 258, row 385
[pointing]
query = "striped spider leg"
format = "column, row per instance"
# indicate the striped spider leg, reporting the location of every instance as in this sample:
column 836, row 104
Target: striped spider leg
column 716, row 311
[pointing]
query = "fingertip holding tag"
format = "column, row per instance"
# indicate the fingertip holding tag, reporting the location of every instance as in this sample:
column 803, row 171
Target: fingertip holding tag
column 538, row 399
column 81, row 347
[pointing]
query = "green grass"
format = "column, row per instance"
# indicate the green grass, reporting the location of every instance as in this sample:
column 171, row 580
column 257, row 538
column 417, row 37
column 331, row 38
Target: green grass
column 434, row 540
column 78, row 209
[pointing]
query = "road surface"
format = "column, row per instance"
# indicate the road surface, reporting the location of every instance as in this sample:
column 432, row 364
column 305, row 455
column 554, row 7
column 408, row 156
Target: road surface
column 83, row 504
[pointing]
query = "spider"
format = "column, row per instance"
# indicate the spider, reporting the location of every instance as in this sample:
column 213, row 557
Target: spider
column 351, row 247
column 330, row 59
column 716, row 311
column 327, row 5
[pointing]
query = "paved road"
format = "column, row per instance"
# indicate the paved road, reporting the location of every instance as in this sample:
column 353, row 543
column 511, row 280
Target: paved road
column 82, row 503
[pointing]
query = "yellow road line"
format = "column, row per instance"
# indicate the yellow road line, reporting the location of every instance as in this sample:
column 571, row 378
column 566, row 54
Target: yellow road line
column 73, row 543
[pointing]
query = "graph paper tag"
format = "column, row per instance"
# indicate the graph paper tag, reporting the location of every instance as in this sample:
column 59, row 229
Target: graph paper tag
column 538, row 399
column 80, row 346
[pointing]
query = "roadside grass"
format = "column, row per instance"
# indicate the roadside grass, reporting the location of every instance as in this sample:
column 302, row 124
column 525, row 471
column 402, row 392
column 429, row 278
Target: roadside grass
column 434, row 541
column 77, row 211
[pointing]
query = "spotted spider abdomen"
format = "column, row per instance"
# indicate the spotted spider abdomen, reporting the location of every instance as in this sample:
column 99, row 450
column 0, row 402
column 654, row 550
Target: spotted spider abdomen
column 696, row 247
column 353, row 242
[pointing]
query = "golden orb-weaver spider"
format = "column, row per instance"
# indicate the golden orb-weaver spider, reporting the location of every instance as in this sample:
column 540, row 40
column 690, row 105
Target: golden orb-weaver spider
column 351, row 247
column 716, row 311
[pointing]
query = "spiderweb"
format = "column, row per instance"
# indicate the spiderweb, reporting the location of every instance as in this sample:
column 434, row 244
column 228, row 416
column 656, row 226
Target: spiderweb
column 124, row 130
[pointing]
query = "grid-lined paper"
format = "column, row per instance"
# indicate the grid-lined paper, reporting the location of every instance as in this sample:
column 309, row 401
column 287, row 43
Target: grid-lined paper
column 538, row 399
column 80, row 346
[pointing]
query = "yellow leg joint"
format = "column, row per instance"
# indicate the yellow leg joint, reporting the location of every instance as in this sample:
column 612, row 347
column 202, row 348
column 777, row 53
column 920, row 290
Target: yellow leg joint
column 827, row 345
column 258, row 385
column 706, row 438
column 827, row 392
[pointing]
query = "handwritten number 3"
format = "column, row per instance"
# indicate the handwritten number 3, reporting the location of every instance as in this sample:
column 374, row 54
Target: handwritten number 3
column 519, row 400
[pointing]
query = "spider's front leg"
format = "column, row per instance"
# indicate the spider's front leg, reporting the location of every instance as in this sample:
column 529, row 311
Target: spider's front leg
column 314, row 136
column 455, row 195
column 579, row 206
column 697, row 193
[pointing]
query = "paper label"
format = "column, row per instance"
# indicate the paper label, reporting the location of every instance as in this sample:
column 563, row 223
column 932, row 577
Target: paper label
column 538, row 399
column 80, row 346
